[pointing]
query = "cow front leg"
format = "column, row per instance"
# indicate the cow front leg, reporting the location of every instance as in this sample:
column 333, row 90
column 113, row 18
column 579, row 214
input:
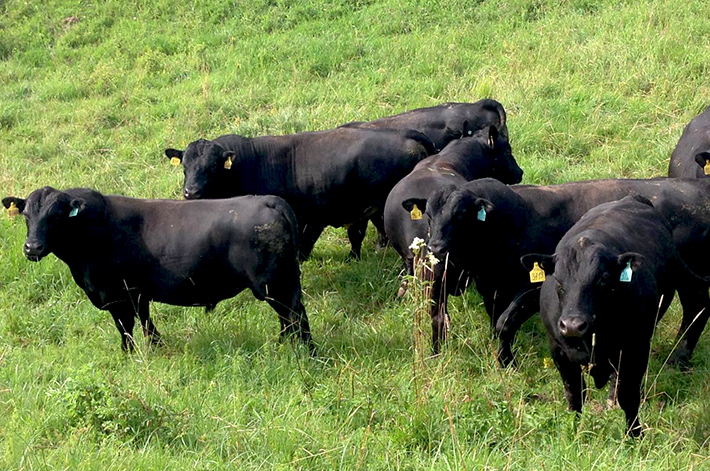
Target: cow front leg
column 124, row 318
column 438, row 296
column 510, row 321
column 631, row 370
column 571, row 374
column 694, row 298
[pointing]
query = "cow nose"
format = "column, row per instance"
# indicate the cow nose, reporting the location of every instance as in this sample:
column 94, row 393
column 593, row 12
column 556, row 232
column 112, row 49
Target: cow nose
column 189, row 194
column 436, row 247
column 34, row 248
column 573, row 326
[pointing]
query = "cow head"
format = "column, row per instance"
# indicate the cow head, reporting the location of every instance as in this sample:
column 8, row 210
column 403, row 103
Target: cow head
column 585, row 285
column 498, row 154
column 206, row 165
column 453, row 215
column 48, row 212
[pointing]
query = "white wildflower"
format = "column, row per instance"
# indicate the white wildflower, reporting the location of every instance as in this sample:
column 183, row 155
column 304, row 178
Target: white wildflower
column 431, row 259
column 417, row 244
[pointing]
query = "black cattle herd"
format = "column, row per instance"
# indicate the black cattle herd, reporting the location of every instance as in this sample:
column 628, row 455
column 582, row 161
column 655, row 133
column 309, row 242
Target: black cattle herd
column 600, row 260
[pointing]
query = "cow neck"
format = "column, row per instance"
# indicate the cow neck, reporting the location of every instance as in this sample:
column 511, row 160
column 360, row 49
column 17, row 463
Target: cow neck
column 453, row 161
column 255, row 156
column 89, row 235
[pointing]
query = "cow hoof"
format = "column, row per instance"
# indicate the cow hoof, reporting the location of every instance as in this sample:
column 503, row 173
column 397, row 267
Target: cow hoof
column 506, row 359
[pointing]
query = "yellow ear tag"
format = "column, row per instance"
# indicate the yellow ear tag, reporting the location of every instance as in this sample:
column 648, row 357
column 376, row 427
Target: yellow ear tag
column 228, row 163
column 706, row 168
column 415, row 213
column 537, row 274
column 175, row 161
column 13, row 211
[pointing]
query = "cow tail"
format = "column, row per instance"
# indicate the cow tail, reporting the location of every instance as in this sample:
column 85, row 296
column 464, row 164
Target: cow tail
column 423, row 140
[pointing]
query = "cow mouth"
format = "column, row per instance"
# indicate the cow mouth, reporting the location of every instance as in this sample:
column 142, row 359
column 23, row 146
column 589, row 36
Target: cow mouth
column 34, row 257
column 578, row 351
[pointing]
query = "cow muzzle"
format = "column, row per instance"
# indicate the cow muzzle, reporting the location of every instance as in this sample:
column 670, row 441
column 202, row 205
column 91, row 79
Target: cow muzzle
column 191, row 194
column 34, row 250
column 573, row 326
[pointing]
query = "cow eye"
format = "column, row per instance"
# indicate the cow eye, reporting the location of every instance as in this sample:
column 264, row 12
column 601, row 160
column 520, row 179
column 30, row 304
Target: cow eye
column 560, row 289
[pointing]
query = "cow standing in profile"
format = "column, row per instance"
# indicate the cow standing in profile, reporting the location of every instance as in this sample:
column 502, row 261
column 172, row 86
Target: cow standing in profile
column 611, row 279
column 125, row 252
column 339, row 177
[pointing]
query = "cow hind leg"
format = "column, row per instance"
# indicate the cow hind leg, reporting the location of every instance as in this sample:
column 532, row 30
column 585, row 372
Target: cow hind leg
column 309, row 236
column 149, row 330
column 288, row 305
column 378, row 221
column 356, row 235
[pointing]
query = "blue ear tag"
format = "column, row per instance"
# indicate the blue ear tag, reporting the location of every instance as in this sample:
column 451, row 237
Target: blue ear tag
column 626, row 273
column 482, row 214
column 73, row 212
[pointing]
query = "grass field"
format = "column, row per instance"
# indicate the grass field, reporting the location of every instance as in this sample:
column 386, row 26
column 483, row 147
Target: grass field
column 91, row 93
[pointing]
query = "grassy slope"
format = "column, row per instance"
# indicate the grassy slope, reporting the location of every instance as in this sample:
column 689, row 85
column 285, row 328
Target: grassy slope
column 593, row 89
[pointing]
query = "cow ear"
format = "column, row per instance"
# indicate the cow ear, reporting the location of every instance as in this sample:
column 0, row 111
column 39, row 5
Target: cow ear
column 229, row 158
column 482, row 207
column 18, row 202
column 409, row 204
column 632, row 259
column 77, row 205
column 702, row 159
column 492, row 136
column 467, row 129
column 546, row 262
column 173, row 154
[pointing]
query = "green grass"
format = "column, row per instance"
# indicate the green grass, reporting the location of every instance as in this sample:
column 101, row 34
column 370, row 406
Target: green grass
column 593, row 89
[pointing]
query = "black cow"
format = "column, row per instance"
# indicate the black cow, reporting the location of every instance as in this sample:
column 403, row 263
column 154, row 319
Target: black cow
column 446, row 122
column 124, row 252
column 339, row 177
column 485, row 154
column 614, row 275
column 691, row 156
column 529, row 219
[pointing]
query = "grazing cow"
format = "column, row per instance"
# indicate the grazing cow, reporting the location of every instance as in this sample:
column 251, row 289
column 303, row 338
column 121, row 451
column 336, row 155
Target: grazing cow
column 124, row 252
column 485, row 154
column 691, row 156
column 526, row 219
column 339, row 177
column 613, row 277
column 446, row 122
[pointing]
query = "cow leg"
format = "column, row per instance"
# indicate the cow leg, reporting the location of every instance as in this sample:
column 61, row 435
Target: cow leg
column 696, row 310
column 209, row 309
column 523, row 308
column 378, row 220
column 632, row 367
column 309, row 236
column 147, row 325
column 439, row 309
column 124, row 318
column 283, row 293
column 571, row 374
column 356, row 234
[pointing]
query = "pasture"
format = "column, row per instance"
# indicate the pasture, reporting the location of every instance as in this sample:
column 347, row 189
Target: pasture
column 91, row 93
